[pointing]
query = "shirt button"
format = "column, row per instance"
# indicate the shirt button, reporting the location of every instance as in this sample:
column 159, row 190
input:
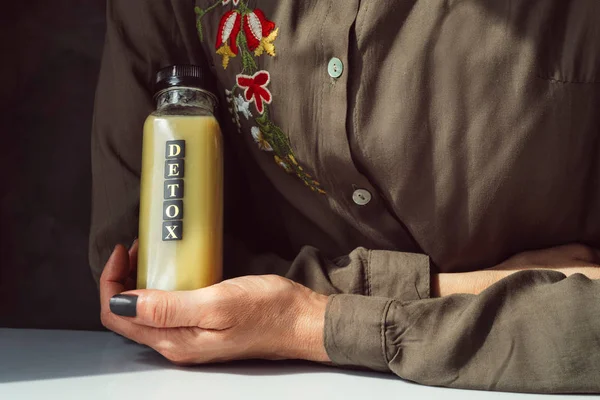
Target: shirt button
column 361, row 197
column 335, row 67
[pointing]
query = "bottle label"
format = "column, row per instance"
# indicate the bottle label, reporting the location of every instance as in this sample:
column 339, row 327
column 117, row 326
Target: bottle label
column 172, row 228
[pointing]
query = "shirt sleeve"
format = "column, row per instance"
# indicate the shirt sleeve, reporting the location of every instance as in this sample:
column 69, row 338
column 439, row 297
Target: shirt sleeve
column 534, row 331
column 143, row 36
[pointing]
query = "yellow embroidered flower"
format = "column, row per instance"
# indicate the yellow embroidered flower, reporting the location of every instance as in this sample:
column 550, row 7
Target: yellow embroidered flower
column 316, row 186
column 283, row 164
column 246, row 30
column 225, row 52
column 260, row 33
column 266, row 44
column 298, row 166
column 229, row 28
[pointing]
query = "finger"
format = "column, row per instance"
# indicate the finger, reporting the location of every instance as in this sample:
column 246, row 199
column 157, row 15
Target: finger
column 160, row 309
column 131, row 282
column 133, row 257
column 564, row 254
column 114, row 276
column 581, row 252
column 112, row 282
column 146, row 335
column 595, row 255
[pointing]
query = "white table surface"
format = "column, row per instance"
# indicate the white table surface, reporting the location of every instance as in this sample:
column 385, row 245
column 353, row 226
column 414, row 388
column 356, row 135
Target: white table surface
column 37, row 364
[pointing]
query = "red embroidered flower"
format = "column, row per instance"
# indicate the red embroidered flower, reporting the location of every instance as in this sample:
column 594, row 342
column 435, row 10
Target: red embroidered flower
column 255, row 88
column 260, row 33
column 229, row 28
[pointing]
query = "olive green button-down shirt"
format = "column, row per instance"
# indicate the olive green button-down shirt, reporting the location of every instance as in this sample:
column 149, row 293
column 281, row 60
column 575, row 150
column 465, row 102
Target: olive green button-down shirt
column 372, row 143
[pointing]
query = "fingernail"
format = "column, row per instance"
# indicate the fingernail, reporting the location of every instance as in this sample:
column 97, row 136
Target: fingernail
column 124, row 305
column 132, row 243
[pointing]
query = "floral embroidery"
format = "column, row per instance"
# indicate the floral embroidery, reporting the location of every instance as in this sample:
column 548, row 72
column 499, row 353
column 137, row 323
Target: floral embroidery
column 260, row 33
column 229, row 27
column 235, row 118
column 243, row 107
column 283, row 164
column 247, row 32
column 256, row 88
column 260, row 140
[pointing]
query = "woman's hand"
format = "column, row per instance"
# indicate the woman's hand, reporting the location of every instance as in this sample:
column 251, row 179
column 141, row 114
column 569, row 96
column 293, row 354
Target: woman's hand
column 569, row 259
column 267, row 317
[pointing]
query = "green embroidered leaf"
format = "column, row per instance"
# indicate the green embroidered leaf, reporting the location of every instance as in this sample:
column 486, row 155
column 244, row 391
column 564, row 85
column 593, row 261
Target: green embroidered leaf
column 200, row 35
column 248, row 63
column 215, row 5
column 262, row 120
column 243, row 8
column 200, row 13
column 271, row 133
column 280, row 142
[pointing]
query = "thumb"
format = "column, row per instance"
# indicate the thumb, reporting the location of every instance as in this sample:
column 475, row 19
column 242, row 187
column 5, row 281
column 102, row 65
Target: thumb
column 158, row 308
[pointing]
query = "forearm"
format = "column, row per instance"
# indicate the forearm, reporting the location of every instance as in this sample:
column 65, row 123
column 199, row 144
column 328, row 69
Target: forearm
column 446, row 284
column 476, row 282
column 535, row 331
column 568, row 259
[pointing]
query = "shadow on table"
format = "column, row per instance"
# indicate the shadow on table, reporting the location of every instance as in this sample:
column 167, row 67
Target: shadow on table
column 30, row 355
column 257, row 367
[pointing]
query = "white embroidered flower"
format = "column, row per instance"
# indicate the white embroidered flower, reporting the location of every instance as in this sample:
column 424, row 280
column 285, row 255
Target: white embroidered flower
column 260, row 139
column 243, row 106
column 229, row 98
column 235, row 2
column 233, row 110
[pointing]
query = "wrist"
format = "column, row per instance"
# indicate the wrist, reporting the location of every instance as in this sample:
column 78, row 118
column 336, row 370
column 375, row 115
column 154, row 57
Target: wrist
column 306, row 341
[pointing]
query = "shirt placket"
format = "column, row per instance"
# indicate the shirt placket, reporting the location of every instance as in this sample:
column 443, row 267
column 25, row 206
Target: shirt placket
column 351, row 194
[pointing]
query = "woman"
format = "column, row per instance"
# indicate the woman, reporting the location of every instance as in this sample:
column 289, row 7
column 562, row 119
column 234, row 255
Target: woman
column 439, row 167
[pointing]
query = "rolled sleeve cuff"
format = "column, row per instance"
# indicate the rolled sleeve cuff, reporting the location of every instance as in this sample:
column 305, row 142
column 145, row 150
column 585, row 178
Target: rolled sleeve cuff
column 354, row 331
column 399, row 276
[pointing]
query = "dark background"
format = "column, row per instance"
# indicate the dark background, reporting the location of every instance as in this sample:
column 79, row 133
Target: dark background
column 51, row 54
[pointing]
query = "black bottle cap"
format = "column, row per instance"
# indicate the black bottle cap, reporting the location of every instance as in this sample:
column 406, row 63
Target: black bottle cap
column 180, row 75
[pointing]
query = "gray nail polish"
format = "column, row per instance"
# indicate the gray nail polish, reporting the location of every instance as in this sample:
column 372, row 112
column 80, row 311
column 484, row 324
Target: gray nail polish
column 124, row 305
